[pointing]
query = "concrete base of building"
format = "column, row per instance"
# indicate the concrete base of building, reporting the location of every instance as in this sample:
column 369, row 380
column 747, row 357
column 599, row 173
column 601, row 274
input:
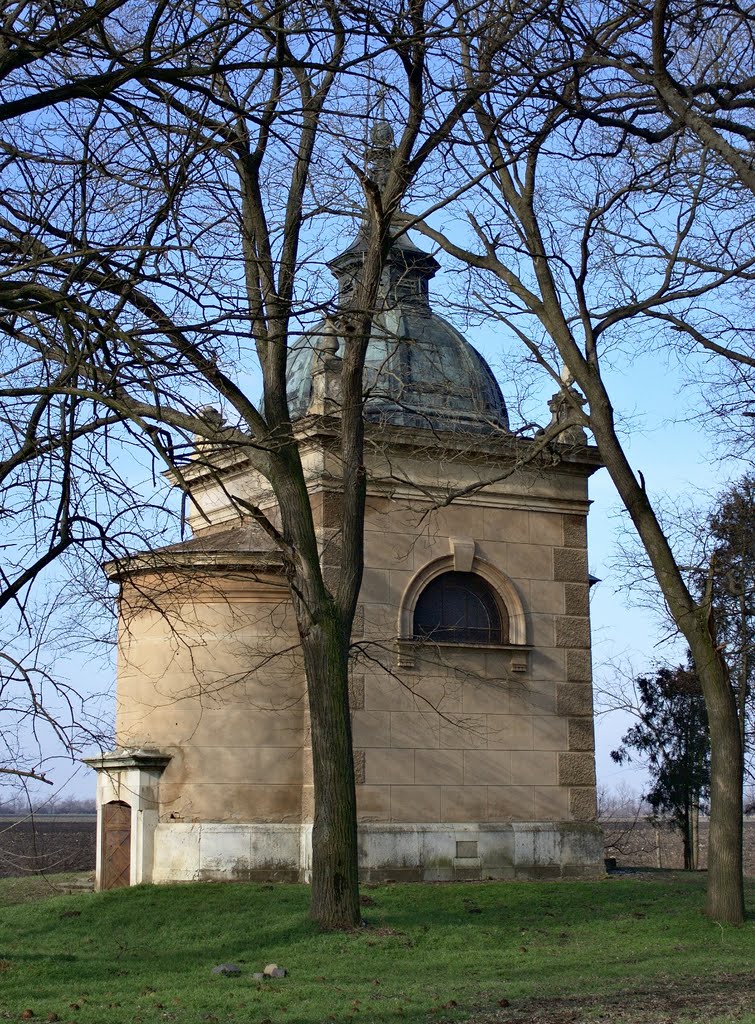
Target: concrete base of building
column 214, row 851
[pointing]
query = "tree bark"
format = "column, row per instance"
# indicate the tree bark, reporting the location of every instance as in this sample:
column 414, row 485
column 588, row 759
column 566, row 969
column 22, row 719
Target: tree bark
column 725, row 895
column 725, row 891
column 335, row 880
column 687, row 839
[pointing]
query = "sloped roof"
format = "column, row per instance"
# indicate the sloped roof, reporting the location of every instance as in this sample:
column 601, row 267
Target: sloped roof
column 244, row 547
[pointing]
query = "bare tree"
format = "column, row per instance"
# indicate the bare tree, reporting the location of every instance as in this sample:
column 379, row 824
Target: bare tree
column 594, row 240
column 52, row 55
column 172, row 239
column 659, row 73
column 63, row 509
column 653, row 71
column 693, row 61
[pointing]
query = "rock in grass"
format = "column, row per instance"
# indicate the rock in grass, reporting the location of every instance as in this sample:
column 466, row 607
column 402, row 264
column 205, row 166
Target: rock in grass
column 228, row 970
column 274, row 971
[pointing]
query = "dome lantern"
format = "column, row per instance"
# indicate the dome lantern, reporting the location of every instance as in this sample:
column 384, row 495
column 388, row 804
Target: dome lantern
column 419, row 370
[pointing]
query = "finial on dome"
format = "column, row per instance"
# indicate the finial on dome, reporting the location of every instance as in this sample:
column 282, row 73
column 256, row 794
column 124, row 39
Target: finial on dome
column 382, row 136
column 382, row 143
column 328, row 342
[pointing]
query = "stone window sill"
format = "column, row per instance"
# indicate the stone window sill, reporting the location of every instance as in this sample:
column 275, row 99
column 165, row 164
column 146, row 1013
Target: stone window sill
column 408, row 649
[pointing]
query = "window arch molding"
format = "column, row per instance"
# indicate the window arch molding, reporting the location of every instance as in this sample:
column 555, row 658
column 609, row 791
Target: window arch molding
column 502, row 586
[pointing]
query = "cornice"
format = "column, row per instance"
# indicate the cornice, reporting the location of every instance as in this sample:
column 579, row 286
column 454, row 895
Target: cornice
column 322, row 433
column 192, row 562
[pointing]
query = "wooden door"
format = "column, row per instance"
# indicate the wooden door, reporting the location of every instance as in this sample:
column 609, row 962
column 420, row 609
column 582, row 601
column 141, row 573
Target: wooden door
column 116, row 845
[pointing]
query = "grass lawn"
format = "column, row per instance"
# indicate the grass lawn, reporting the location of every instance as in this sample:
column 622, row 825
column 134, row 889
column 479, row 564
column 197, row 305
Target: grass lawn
column 623, row 950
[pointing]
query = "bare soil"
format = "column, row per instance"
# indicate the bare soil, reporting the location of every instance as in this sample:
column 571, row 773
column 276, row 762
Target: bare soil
column 46, row 844
column 676, row 1000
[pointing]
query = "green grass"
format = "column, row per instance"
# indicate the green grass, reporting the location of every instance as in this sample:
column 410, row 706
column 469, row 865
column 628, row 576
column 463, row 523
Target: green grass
column 429, row 953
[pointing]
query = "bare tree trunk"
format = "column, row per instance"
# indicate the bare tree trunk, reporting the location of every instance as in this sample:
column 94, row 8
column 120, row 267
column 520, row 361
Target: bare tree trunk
column 743, row 663
column 725, row 898
column 335, row 881
column 325, row 633
column 687, row 839
column 725, row 894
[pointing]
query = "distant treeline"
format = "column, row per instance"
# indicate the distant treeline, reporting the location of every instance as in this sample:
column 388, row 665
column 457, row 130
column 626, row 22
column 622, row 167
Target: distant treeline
column 17, row 806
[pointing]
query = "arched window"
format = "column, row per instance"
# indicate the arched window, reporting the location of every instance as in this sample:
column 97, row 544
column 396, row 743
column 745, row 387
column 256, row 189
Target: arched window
column 461, row 608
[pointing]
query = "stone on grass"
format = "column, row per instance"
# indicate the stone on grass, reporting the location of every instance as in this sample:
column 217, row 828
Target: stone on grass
column 228, row 970
column 274, row 971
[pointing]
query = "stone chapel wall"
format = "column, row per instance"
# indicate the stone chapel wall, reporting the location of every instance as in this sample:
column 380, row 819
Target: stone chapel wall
column 459, row 736
column 214, row 679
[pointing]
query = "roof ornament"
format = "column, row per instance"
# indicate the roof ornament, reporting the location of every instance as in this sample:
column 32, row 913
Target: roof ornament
column 325, row 396
column 328, row 341
column 382, row 143
column 567, row 419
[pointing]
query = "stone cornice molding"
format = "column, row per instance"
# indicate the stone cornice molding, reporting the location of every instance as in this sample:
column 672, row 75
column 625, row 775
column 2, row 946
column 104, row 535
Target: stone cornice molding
column 194, row 562
column 126, row 758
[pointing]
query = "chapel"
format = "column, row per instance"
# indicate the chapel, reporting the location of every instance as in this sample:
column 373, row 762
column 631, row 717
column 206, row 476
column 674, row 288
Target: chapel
column 470, row 692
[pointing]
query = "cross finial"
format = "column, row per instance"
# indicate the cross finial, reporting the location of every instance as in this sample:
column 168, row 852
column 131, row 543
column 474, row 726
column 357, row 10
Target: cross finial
column 382, row 142
column 380, row 99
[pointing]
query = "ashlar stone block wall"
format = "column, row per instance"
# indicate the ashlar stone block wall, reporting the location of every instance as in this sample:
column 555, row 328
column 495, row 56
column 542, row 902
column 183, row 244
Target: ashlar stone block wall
column 208, row 674
column 455, row 733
